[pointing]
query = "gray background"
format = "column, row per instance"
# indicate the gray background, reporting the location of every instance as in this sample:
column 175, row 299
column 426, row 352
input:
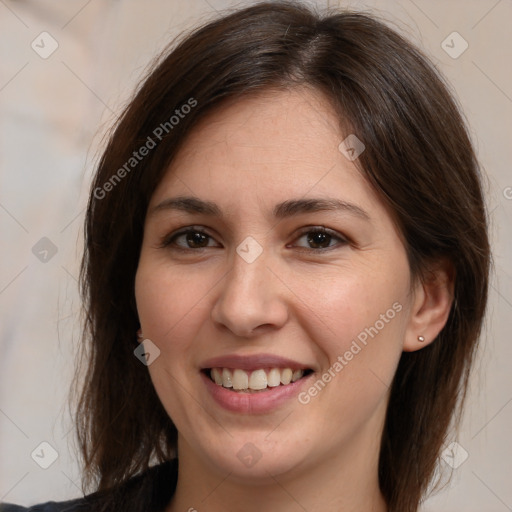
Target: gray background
column 53, row 113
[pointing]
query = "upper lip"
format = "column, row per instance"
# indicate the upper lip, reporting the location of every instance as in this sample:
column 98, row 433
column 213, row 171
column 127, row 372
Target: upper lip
column 252, row 362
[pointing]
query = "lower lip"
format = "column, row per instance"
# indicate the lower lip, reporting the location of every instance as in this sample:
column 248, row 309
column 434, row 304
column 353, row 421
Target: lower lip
column 253, row 403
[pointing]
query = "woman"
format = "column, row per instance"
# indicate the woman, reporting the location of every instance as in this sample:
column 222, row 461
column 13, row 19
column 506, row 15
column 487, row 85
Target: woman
column 285, row 274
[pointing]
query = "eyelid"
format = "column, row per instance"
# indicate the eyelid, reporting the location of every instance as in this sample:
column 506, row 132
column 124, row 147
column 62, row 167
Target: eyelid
column 342, row 239
column 167, row 240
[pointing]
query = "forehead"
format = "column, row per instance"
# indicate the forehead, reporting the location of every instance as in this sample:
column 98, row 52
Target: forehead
column 265, row 126
column 266, row 147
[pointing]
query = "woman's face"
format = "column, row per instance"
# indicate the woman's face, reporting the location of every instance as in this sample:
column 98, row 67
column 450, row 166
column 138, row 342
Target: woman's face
column 266, row 256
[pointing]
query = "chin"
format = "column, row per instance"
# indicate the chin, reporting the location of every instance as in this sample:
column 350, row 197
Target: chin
column 254, row 459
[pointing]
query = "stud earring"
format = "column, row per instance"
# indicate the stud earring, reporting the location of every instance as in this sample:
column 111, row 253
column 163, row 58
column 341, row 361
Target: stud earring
column 140, row 336
column 421, row 339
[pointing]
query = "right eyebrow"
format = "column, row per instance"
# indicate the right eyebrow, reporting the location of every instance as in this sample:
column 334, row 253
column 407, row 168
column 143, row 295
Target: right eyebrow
column 189, row 205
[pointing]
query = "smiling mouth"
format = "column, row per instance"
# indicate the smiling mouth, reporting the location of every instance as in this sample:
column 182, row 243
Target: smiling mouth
column 254, row 381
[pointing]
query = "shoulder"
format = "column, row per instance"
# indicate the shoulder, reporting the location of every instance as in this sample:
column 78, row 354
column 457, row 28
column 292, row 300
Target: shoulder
column 149, row 491
column 78, row 505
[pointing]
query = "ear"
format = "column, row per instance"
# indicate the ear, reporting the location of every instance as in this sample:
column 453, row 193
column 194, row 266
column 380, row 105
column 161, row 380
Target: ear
column 431, row 306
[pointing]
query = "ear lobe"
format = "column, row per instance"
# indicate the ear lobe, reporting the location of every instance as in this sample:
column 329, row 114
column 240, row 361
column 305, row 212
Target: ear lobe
column 433, row 299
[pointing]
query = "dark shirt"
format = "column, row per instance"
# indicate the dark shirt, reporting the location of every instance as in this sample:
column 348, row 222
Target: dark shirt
column 150, row 491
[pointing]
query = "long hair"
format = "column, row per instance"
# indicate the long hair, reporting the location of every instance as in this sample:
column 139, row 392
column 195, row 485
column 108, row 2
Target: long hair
column 418, row 158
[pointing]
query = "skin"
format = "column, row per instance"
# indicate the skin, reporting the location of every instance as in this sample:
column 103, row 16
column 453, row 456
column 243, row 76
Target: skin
column 295, row 300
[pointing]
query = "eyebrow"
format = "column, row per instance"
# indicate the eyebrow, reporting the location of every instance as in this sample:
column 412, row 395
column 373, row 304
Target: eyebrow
column 290, row 208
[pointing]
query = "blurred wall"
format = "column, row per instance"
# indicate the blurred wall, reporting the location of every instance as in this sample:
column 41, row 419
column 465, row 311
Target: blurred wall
column 66, row 68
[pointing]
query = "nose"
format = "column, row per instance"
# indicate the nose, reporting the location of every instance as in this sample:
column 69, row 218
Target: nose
column 251, row 299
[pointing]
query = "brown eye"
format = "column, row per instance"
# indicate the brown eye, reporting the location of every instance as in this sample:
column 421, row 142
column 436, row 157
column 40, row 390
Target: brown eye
column 189, row 239
column 321, row 239
column 196, row 239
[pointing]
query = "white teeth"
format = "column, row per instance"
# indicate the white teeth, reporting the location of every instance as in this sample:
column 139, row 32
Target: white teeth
column 216, row 375
column 256, row 380
column 297, row 374
column 286, row 376
column 274, row 378
column 227, row 378
column 240, row 379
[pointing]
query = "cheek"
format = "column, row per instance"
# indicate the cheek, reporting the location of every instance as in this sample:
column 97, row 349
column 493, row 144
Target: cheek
column 169, row 307
column 358, row 322
column 350, row 303
column 167, row 303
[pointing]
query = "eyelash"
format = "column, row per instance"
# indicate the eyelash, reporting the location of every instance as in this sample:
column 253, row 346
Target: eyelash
column 169, row 240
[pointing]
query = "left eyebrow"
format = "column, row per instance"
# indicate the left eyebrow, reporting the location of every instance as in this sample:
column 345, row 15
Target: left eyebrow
column 286, row 209
column 299, row 206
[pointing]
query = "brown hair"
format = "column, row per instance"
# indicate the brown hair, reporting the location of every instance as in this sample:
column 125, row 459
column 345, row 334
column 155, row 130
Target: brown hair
column 418, row 157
